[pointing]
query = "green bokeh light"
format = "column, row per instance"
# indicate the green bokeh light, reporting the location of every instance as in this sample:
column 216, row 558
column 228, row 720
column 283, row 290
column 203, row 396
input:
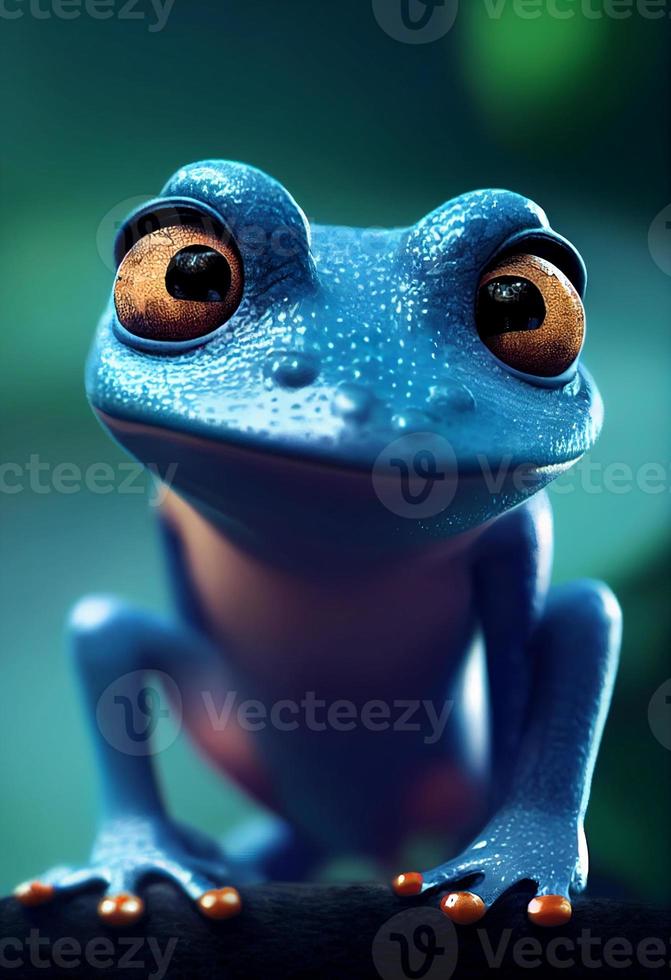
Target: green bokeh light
column 520, row 69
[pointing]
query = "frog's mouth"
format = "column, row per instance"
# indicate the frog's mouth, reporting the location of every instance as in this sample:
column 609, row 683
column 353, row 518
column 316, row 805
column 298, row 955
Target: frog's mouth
column 171, row 446
column 291, row 502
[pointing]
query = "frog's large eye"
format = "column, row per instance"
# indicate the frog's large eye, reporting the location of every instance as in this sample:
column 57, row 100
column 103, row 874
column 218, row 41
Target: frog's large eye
column 178, row 284
column 530, row 316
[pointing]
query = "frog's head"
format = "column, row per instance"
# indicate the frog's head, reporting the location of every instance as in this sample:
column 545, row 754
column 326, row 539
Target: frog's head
column 379, row 388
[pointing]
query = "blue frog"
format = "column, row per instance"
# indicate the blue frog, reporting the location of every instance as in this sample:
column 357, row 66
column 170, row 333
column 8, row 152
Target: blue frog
column 354, row 428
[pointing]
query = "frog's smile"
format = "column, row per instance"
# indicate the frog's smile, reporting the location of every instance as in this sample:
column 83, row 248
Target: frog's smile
column 285, row 506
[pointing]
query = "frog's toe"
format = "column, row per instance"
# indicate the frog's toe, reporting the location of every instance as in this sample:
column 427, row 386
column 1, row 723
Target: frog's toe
column 418, row 882
column 551, row 907
column 40, row 891
column 121, row 909
column 549, row 910
column 464, row 908
column 220, row 903
column 33, row 893
column 407, row 884
column 201, row 881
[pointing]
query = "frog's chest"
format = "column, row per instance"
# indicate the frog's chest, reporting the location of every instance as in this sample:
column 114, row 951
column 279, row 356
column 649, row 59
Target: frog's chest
column 396, row 627
column 303, row 644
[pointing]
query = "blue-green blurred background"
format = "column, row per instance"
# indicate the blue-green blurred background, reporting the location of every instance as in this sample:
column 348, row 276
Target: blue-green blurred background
column 366, row 130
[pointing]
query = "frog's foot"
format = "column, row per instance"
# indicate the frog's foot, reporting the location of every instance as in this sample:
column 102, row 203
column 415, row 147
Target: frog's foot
column 511, row 850
column 130, row 850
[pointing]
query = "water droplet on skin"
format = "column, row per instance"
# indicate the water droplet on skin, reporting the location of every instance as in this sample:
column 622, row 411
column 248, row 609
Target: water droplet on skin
column 291, row 369
column 352, row 402
column 450, row 398
column 412, row 418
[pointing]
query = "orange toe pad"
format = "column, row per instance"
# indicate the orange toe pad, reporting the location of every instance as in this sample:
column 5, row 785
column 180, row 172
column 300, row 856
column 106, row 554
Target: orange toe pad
column 409, row 883
column 120, row 910
column 464, row 908
column 32, row 893
column 549, row 910
column 220, row 903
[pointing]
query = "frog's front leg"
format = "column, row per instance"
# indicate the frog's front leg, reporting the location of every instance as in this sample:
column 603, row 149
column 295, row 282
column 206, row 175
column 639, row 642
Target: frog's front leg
column 114, row 646
column 537, row 833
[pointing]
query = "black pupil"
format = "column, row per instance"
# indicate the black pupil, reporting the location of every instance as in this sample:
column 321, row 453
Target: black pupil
column 509, row 303
column 198, row 273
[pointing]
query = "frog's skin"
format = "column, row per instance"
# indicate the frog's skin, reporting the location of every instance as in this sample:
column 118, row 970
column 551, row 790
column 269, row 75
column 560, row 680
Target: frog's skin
column 291, row 576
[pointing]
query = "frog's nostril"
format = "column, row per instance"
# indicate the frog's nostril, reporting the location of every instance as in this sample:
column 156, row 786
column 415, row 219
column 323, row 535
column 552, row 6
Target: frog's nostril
column 450, row 398
column 352, row 402
column 291, row 369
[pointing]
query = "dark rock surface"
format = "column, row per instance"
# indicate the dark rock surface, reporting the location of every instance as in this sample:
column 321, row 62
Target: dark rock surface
column 336, row 931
